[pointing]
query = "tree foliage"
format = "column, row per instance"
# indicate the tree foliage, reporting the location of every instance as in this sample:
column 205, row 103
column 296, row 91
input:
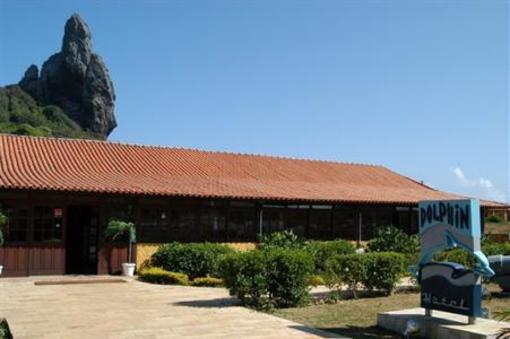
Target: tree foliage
column 22, row 115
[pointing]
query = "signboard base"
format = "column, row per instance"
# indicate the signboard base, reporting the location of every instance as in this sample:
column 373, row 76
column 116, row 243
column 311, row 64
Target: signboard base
column 440, row 324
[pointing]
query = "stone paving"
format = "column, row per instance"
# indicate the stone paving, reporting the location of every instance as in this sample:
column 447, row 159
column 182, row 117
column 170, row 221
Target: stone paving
column 135, row 310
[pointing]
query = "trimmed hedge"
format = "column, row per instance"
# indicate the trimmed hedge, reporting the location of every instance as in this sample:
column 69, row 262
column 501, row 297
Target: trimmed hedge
column 276, row 277
column 193, row 259
column 323, row 250
column 208, row 282
column 384, row 270
column 376, row 271
column 347, row 270
column 157, row 275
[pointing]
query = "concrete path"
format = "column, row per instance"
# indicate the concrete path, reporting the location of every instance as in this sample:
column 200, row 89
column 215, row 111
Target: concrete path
column 135, row 310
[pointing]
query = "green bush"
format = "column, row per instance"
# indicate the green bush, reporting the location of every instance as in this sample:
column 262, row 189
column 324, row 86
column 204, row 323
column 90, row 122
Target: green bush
column 157, row 275
column 276, row 277
column 285, row 239
column 208, row 282
column 246, row 276
column 493, row 248
column 21, row 114
column 193, row 259
column 383, row 270
column 456, row 255
column 347, row 270
column 5, row 332
column 376, row 271
column 392, row 239
column 494, row 219
column 323, row 250
column 466, row 259
column 289, row 271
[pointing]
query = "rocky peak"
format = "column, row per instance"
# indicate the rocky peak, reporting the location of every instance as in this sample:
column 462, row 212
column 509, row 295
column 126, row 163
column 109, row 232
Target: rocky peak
column 77, row 45
column 29, row 82
column 77, row 80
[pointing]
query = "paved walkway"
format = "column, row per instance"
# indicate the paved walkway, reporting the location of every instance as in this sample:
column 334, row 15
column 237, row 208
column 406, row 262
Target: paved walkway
column 135, row 310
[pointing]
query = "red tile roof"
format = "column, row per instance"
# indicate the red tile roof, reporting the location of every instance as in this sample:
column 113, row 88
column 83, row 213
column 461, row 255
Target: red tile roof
column 107, row 167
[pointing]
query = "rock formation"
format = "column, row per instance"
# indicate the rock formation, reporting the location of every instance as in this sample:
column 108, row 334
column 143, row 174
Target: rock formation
column 76, row 80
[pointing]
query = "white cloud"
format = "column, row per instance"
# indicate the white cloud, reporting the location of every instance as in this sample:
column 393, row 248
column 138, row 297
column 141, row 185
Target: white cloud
column 479, row 187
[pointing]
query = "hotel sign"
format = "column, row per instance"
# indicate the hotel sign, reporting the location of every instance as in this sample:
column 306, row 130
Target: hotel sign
column 445, row 286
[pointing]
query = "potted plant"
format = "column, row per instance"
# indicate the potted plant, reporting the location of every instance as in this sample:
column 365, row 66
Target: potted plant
column 3, row 221
column 118, row 228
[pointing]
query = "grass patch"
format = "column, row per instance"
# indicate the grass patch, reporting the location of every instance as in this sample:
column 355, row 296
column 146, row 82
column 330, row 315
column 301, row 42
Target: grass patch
column 357, row 318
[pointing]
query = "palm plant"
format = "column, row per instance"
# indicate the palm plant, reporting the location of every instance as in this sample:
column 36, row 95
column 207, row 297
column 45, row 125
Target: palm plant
column 118, row 228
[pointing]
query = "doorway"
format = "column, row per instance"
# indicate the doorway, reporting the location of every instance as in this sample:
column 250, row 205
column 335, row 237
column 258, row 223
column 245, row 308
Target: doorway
column 82, row 240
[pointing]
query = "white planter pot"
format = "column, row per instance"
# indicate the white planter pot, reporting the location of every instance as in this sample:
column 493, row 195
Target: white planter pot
column 1, row 268
column 128, row 269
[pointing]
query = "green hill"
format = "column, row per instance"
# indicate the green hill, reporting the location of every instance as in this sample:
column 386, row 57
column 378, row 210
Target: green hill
column 21, row 114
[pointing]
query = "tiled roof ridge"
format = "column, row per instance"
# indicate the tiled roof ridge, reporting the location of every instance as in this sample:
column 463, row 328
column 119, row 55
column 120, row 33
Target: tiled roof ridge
column 84, row 165
column 192, row 149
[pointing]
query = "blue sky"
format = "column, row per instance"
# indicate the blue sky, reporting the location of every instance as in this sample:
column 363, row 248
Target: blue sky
column 418, row 86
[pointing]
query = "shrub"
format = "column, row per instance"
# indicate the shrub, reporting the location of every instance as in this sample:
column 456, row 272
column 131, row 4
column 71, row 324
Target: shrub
column 193, row 259
column 289, row 271
column 323, row 250
column 270, row 278
column 392, row 239
column 285, row 239
column 5, row 332
column 316, row 280
column 157, row 275
column 493, row 248
column 456, row 255
column 463, row 257
column 208, row 282
column 383, row 270
column 494, row 219
column 347, row 270
column 245, row 275
column 376, row 271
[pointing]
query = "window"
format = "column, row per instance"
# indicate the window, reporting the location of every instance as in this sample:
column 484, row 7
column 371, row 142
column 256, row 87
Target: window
column 320, row 224
column 155, row 225
column 272, row 219
column 213, row 224
column 16, row 229
column 345, row 223
column 48, row 223
column 241, row 224
column 296, row 220
column 185, row 225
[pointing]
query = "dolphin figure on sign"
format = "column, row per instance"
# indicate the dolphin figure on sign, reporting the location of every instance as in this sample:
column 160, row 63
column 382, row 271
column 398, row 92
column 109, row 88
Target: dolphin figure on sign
column 442, row 236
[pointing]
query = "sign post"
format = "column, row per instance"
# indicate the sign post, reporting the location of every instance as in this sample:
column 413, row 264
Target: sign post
column 447, row 286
